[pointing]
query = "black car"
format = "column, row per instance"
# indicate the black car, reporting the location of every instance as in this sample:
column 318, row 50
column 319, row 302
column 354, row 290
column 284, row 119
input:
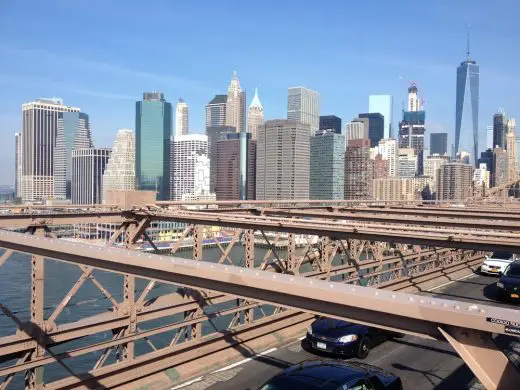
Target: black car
column 333, row 375
column 508, row 286
column 344, row 338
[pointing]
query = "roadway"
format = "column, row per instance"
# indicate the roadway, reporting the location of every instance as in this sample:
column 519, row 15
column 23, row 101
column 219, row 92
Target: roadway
column 421, row 364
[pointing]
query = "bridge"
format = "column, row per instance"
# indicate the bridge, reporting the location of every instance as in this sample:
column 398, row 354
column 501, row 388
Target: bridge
column 363, row 261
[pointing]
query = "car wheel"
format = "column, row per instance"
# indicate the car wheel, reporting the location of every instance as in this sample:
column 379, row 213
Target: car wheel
column 363, row 348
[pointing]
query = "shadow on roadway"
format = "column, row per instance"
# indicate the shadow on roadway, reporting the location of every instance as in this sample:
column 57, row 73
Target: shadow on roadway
column 425, row 347
column 428, row 374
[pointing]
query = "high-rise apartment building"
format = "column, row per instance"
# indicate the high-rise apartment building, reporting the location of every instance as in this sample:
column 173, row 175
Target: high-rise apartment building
column 40, row 125
column 181, row 118
column 359, row 170
column 389, row 152
column 407, row 162
column 357, row 128
column 327, row 166
column 380, row 167
column 467, row 94
column 282, row 160
column 499, row 130
column 330, row 122
column 228, row 160
column 303, row 105
column 394, row 189
column 215, row 134
column 120, row 170
column 512, row 173
column 216, row 111
column 18, row 165
column 481, row 177
column 188, row 175
column 384, row 105
column 73, row 133
column 236, row 105
column 88, row 166
column 439, row 143
column 376, row 127
column 499, row 171
column 432, row 164
column 153, row 130
column 455, row 181
column 255, row 115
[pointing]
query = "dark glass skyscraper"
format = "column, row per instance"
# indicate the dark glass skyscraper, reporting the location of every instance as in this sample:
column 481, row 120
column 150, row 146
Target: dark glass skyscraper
column 499, row 130
column 153, row 129
column 439, row 143
column 376, row 127
column 330, row 122
column 466, row 133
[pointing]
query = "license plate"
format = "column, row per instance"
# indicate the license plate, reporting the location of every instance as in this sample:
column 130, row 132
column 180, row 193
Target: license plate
column 515, row 296
column 321, row 345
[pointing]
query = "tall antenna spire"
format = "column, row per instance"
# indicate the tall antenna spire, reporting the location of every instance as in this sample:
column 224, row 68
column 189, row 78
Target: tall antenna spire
column 468, row 41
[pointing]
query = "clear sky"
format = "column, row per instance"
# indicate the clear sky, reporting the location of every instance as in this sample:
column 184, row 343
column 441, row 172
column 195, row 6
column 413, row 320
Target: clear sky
column 101, row 55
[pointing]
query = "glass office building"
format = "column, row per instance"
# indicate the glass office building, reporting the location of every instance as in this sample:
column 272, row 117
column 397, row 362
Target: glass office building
column 467, row 97
column 153, row 129
column 384, row 105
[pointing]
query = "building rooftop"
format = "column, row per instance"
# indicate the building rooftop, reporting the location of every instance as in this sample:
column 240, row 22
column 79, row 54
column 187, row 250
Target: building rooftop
column 218, row 99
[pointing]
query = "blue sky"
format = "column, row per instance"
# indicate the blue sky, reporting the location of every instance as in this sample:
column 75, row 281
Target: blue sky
column 101, row 55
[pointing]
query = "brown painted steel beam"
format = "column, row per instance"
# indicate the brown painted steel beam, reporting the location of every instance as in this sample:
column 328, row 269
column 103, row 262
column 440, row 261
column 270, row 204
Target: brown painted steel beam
column 464, row 239
column 405, row 312
column 40, row 219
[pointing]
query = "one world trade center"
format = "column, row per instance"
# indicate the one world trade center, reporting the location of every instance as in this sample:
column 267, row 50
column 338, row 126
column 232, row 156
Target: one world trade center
column 466, row 118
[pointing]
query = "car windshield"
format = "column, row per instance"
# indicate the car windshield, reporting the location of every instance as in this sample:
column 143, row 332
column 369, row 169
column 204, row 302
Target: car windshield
column 502, row 255
column 513, row 271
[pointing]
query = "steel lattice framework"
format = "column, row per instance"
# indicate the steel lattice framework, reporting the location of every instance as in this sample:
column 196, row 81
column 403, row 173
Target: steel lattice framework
column 320, row 245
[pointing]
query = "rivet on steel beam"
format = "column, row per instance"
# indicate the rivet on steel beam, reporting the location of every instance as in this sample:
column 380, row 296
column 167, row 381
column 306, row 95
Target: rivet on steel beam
column 394, row 296
column 331, row 285
column 212, row 266
column 410, row 299
column 310, row 282
column 457, row 307
column 226, row 269
column 421, row 301
column 291, row 280
column 376, row 293
column 257, row 273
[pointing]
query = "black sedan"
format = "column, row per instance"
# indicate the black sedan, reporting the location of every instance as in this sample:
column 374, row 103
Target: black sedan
column 333, row 375
column 508, row 286
column 344, row 338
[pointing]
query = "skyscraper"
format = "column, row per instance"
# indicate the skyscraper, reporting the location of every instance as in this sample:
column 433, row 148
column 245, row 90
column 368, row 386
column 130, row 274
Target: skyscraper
column 88, row 166
column 327, row 170
column 303, row 105
column 330, row 122
column 40, row 125
column 358, row 170
column 181, row 118
column 153, row 129
column 376, row 127
column 467, row 93
column 215, row 134
column 384, row 105
column 120, row 170
column 255, row 115
column 455, row 181
column 236, row 105
column 357, row 128
column 228, row 161
column 499, row 130
column 500, row 167
column 186, row 150
column 216, row 111
column 407, row 163
column 73, row 133
column 282, row 160
column 18, row 165
column 511, row 150
column 389, row 151
column 412, row 127
column 489, row 137
column 439, row 143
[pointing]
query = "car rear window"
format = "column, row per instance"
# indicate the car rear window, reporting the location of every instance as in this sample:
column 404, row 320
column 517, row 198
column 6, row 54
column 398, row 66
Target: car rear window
column 502, row 255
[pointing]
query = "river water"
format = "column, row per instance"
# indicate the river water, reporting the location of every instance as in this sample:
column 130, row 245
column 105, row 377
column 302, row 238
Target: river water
column 15, row 287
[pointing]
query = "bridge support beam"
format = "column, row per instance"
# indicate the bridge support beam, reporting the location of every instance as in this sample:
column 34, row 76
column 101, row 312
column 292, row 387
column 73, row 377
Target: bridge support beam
column 486, row 361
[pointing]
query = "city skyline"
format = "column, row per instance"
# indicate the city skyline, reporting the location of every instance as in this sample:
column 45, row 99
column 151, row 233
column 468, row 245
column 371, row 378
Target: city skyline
column 105, row 86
